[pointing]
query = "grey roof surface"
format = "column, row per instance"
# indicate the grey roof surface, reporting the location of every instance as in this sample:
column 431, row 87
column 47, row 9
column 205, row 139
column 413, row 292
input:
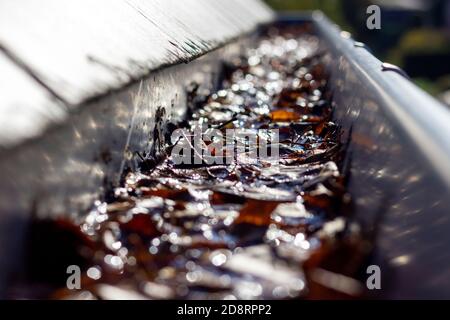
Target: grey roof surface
column 55, row 55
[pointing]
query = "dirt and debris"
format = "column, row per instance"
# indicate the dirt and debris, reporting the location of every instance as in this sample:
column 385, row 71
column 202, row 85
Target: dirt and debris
column 235, row 230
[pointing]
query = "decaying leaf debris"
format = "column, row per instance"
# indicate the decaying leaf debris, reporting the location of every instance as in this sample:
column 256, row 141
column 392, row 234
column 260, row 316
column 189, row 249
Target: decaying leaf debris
column 238, row 230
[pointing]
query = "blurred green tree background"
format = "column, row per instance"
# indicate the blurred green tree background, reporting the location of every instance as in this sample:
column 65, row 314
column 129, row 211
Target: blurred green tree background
column 332, row 8
column 414, row 34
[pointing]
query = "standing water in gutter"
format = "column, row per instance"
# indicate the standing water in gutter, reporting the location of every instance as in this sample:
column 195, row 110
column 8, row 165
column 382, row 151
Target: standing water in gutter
column 248, row 202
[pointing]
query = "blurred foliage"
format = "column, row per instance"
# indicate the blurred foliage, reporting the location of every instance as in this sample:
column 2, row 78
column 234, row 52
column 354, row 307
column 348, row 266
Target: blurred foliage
column 423, row 41
column 418, row 41
column 444, row 82
column 332, row 8
column 429, row 86
column 434, row 87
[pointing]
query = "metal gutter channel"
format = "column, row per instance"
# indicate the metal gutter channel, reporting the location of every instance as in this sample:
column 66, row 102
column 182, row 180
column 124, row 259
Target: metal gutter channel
column 399, row 158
